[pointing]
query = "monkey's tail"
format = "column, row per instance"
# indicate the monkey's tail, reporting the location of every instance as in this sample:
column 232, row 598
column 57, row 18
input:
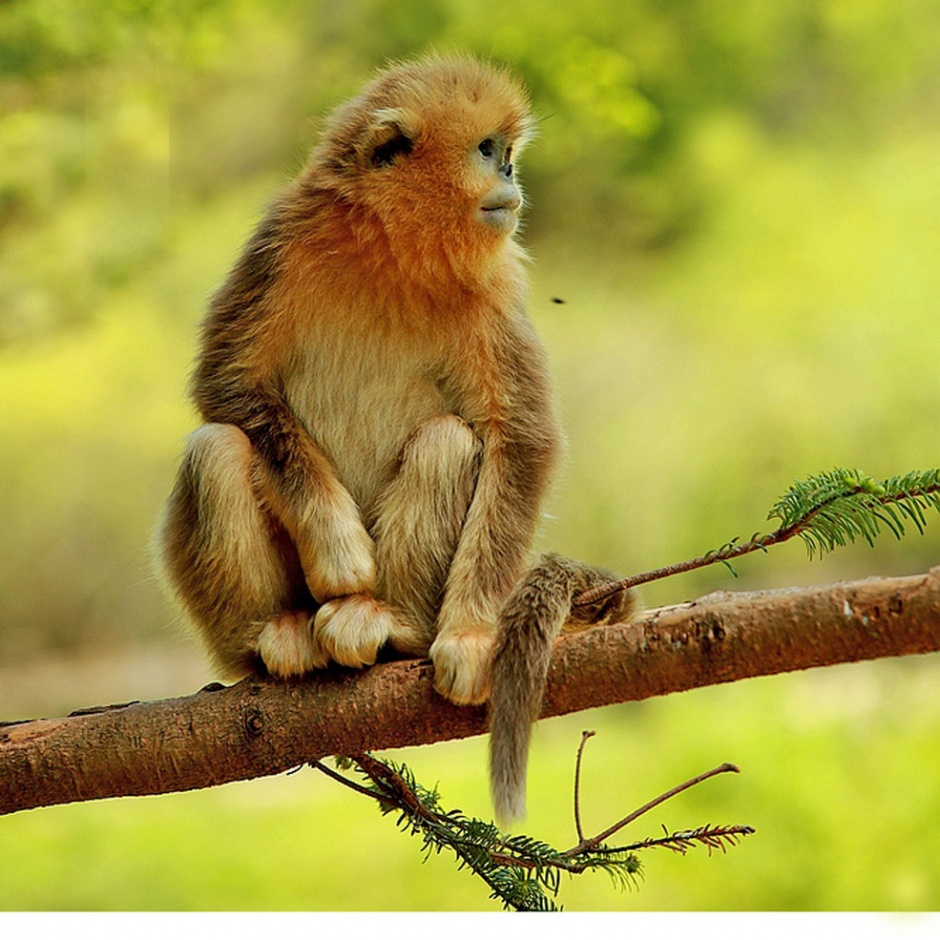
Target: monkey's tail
column 533, row 616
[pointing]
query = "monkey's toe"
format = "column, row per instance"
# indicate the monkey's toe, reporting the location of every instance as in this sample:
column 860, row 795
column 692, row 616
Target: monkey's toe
column 462, row 665
column 287, row 645
column 352, row 629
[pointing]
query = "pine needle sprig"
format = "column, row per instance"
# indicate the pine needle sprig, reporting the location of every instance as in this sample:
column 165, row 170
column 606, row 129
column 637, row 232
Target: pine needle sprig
column 712, row 837
column 831, row 509
column 827, row 510
column 521, row 872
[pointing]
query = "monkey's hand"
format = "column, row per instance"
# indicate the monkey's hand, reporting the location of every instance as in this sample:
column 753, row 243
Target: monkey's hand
column 351, row 629
column 336, row 552
column 461, row 657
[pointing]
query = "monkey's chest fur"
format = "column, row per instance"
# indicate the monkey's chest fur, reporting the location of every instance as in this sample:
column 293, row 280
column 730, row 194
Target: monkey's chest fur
column 360, row 401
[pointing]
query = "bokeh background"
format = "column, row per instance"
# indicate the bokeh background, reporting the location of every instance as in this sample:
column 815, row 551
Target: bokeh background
column 739, row 205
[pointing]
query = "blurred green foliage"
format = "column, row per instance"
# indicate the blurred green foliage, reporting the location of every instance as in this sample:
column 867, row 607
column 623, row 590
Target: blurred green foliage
column 738, row 204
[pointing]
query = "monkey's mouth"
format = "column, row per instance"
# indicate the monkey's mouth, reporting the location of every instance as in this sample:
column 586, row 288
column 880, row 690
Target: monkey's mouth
column 500, row 217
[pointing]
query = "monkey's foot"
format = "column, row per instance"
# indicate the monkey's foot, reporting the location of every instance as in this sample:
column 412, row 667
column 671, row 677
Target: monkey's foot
column 462, row 664
column 351, row 629
column 288, row 647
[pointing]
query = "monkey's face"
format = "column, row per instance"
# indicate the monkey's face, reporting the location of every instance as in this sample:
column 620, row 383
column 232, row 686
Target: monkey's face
column 429, row 148
column 446, row 173
column 418, row 169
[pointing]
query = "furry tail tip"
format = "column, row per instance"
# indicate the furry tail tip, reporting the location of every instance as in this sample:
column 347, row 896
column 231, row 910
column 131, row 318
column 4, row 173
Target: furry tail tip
column 509, row 749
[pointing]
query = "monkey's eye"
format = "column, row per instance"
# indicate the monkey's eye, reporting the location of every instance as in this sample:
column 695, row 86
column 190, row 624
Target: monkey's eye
column 507, row 157
column 487, row 147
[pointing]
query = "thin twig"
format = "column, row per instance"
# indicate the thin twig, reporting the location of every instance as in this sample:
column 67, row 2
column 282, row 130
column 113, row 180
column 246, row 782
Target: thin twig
column 588, row 844
column 756, row 543
column 319, row 765
column 394, row 785
column 585, row 735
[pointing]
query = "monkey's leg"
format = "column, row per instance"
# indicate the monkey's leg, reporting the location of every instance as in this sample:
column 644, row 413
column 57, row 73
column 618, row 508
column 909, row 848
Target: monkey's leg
column 493, row 553
column 232, row 565
column 419, row 524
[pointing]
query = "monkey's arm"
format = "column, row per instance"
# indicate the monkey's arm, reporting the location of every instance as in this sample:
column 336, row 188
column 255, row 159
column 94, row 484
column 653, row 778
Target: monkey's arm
column 301, row 487
column 294, row 479
column 521, row 445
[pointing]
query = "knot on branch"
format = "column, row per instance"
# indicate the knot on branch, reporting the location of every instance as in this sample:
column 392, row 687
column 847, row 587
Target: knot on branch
column 254, row 723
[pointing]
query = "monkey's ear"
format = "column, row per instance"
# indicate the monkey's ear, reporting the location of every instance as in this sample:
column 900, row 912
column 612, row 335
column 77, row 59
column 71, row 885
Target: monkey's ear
column 389, row 137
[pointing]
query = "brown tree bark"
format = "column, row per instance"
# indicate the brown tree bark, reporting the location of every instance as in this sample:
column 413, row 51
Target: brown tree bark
column 257, row 728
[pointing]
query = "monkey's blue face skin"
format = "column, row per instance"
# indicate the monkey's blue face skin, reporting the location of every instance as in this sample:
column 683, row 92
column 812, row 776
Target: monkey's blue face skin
column 500, row 206
column 503, row 200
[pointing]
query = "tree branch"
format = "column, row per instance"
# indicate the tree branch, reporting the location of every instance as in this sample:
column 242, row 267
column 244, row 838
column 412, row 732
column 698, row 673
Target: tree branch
column 257, row 728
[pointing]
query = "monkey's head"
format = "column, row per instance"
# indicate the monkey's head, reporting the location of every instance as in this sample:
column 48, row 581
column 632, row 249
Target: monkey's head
column 428, row 151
